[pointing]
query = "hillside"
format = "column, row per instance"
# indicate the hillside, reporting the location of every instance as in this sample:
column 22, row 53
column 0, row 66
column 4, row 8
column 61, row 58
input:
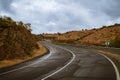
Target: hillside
column 87, row 37
column 100, row 36
column 16, row 40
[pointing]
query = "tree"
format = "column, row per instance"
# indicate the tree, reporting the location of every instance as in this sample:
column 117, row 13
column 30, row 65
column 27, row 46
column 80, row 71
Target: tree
column 8, row 18
column 20, row 23
column 59, row 33
column 28, row 26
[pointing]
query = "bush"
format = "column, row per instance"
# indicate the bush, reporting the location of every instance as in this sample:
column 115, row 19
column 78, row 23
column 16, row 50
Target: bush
column 116, row 42
column 28, row 53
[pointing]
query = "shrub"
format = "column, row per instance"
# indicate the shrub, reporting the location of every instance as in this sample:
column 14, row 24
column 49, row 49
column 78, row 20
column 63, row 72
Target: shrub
column 28, row 53
column 116, row 42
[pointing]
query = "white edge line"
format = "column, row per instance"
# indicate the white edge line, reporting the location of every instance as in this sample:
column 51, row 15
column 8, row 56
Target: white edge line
column 115, row 67
column 25, row 66
column 63, row 66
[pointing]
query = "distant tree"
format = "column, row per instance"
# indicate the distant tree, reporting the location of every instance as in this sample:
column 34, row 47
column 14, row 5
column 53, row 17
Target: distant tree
column 94, row 29
column 104, row 26
column 28, row 26
column 116, row 24
column 59, row 33
column 8, row 18
column 20, row 23
column 82, row 29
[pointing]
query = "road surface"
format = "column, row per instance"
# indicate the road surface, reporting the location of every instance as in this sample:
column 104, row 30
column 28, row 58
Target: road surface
column 62, row 63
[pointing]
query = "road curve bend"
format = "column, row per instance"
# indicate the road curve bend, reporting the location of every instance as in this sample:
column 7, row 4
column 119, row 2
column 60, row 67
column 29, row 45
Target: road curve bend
column 64, row 62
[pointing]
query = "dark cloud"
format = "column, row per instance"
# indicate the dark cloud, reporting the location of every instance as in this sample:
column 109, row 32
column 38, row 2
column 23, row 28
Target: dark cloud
column 113, row 9
column 62, row 15
column 6, row 5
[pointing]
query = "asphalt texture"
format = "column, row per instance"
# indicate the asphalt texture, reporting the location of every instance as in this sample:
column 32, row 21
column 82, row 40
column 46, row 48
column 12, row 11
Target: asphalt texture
column 87, row 65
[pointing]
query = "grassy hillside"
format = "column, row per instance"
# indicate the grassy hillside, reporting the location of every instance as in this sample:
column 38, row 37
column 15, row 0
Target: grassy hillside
column 87, row 37
column 100, row 36
column 16, row 40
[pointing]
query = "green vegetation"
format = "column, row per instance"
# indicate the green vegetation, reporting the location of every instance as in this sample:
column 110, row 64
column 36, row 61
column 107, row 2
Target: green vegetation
column 116, row 42
column 28, row 53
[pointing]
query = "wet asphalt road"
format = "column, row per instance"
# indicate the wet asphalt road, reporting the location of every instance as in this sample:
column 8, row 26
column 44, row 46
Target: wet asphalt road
column 86, row 65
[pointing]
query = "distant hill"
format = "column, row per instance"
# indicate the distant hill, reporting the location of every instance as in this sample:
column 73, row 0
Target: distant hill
column 87, row 37
column 16, row 40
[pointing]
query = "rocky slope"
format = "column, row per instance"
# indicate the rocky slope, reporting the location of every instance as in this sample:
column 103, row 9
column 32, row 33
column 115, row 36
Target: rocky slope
column 16, row 40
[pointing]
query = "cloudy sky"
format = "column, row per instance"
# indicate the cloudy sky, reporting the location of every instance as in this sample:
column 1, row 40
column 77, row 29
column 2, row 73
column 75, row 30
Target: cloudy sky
column 49, row 16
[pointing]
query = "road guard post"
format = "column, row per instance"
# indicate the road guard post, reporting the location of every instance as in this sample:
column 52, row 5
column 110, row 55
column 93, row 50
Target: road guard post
column 107, row 43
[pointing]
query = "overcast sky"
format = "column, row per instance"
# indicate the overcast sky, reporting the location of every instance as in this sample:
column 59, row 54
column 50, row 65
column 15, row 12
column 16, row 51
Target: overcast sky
column 49, row 16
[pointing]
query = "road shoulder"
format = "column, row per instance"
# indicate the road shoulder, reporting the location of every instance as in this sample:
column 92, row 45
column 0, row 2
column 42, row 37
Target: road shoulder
column 114, row 59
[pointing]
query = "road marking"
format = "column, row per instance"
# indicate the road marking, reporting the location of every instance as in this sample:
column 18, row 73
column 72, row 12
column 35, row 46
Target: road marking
column 26, row 66
column 115, row 67
column 63, row 66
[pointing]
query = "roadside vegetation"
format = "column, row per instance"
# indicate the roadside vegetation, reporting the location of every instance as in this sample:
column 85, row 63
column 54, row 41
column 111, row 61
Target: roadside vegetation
column 116, row 42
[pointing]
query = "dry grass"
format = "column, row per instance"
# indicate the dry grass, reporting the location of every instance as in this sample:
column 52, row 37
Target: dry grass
column 113, row 55
column 38, row 52
column 88, row 37
column 101, row 35
column 115, row 58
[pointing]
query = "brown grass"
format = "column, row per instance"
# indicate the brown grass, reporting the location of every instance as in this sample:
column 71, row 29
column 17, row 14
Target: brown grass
column 87, row 37
column 101, row 35
column 37, row 52
column 113, row 55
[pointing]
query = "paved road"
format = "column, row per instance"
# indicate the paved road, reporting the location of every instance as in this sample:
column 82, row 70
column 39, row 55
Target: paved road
column 62, row 63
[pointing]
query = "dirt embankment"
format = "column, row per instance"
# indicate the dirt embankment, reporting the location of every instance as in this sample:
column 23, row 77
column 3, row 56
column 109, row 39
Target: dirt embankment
column 17, row 44
column 36, row 52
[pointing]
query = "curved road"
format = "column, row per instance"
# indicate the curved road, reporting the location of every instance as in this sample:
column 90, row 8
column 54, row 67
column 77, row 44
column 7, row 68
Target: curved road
column 62, row 63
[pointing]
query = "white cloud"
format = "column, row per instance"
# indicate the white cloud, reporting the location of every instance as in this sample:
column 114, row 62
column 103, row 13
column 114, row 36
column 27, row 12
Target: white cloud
column 51, row 23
